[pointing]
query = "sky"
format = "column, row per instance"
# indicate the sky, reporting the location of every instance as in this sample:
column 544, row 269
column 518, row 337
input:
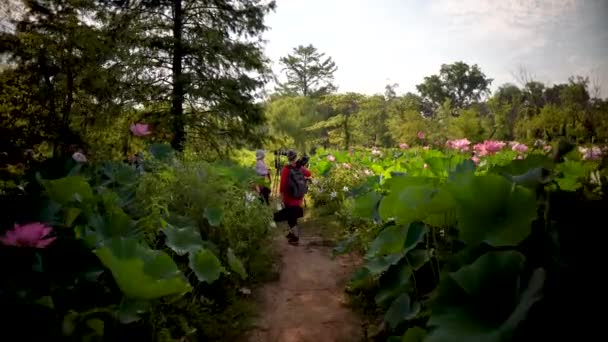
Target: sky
column 377, row 42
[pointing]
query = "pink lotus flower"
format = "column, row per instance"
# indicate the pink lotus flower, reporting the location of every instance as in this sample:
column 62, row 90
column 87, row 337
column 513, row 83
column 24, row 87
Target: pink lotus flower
column 346, row 166
column 140, row 129
column 493, row 146
column 403, row 146
column 476, row 160
column 548, row 148
column 521, row 148
column 420, row 135
column 519, row 157
column 30, row 235
column 489, row 147
column 331, row 158
column 459, row 144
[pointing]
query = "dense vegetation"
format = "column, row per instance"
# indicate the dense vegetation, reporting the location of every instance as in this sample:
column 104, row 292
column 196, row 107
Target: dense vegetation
column 467, row 249
column 118, row 220
column 124, row 183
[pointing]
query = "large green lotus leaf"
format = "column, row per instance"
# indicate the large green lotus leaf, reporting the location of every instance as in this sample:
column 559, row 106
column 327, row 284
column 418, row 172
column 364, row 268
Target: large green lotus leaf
column 183, row 240
column 235, row 264
column 415, row 235
column 393, row 283
column 407, row 205
column 213, row 216
column 476, row 302
column 492, row 209
column 401, row 310
column 531, row 179
column 521, row 166
column 206, row 266
column 438, row 166
column 114, row 223
column 572, row 172
column 141, row 272
column 463, row 168
column 70, row 215
column 378, row 264
column 73, row 189
column 390, row 240
column 397, row 184
column 417, row 258
column 397, row 239
column 366, row 206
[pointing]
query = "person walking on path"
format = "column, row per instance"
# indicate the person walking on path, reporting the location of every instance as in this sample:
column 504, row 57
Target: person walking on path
column 264, row 172
column 293, row 187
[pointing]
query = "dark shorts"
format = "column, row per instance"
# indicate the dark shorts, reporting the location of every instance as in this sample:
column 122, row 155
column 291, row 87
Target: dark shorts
column 291, row 214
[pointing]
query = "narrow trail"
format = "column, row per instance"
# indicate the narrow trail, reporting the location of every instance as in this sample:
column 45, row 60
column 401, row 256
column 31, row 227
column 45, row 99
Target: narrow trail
column 307, row 303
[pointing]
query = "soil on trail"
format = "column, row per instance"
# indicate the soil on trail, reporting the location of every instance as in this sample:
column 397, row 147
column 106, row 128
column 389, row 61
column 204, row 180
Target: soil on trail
column 307, row 303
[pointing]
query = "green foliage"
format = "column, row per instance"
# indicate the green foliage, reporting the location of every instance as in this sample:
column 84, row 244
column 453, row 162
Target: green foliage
column 476, row 301
column 141, row 272
column 288, row 118
column 308, row 71
column 459, row 82
column 448, row 244
column 117, row 219
column 205, row 265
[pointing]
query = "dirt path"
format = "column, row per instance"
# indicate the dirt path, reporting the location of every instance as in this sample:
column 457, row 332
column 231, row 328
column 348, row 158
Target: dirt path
column 307, row 302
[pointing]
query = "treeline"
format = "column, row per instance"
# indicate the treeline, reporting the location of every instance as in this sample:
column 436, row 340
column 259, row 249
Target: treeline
column 77, row 73
column 455, row 103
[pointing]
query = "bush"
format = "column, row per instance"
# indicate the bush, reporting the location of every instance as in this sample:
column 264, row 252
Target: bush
column 163, row 255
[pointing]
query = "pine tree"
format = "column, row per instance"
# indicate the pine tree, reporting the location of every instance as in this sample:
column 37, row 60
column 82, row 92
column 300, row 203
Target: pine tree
column 308, row 71
column 205, row 58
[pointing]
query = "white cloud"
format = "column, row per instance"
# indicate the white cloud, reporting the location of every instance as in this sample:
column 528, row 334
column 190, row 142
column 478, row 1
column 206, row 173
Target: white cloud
column 515, row 27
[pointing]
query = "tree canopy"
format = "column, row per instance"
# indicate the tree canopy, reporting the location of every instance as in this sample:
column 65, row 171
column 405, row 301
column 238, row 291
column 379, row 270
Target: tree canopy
column 462, row 84
column 308, row 72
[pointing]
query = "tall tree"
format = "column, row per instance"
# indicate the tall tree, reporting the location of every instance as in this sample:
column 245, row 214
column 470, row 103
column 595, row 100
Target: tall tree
column 64, row 50
column 458, row 82
column 308, row 72
column 288, row 118
column 206, row 59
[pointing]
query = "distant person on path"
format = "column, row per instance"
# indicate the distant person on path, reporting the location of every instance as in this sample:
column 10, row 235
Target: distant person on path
column 264, row 172
column 294, row 178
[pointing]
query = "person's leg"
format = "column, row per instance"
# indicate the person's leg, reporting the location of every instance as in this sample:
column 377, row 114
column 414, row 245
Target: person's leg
column 292, row 221
column 266, row 195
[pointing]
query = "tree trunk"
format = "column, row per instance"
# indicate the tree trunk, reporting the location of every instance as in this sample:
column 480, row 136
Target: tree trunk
column 177, row 107
column 346, row 135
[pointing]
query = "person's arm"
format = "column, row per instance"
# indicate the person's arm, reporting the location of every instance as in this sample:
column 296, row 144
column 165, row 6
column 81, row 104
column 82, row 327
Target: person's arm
column 306, row 172
column 284, row 179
